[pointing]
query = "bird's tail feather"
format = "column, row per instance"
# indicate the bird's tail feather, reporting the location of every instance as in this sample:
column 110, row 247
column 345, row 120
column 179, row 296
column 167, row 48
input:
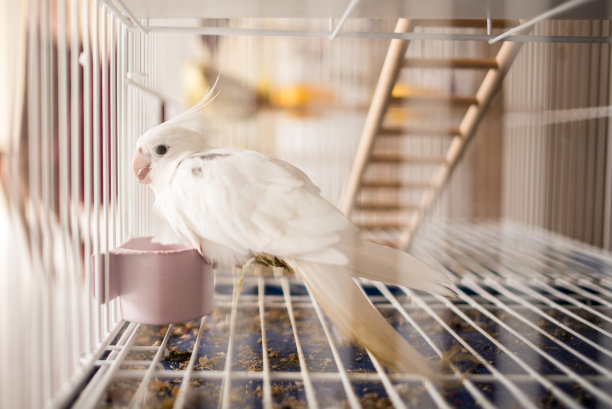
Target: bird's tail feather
column 382, row 263
column 352, row 312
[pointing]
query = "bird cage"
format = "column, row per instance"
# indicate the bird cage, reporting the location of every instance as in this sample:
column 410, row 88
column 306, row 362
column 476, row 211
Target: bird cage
column 475, row 136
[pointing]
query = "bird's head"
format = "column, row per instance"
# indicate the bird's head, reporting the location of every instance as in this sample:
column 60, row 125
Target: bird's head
column 162, row 147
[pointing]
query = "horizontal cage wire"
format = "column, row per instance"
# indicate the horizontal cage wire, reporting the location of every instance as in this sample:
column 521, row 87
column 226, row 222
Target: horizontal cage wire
column 527, row 328
column 530, row 324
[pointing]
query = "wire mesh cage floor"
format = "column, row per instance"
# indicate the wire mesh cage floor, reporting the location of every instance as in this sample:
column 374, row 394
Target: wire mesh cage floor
column 531, row 326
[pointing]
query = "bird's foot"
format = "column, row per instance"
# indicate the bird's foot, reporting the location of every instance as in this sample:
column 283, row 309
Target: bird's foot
column 269, row 264
column 248, row 266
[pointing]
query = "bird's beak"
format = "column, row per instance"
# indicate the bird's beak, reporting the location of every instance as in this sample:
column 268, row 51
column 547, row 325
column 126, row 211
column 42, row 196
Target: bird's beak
column 142, row 167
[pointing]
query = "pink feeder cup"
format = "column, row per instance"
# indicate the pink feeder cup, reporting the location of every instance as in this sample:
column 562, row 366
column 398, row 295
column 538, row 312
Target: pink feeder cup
column 157, row 283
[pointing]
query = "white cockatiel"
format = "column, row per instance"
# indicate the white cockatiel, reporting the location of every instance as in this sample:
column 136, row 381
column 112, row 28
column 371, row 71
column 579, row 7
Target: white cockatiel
column 234, row 204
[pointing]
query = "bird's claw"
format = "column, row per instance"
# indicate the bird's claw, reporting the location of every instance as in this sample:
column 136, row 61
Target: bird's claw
column 268, row 262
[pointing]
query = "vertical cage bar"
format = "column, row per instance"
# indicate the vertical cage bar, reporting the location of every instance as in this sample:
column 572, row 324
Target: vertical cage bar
column 96, row 172
column 346, row 383
column 123, row 115
column 139, row 398
column 47, row 133
column 75, row 181
column 267, row 388
column 85, row 60
column 34, row 141
column 99, row 383
column 113, row 240
column 62, row 275
column 469, row 385
column 184, row 388
column 311, row 399
column 105, row 170
column 224, row 396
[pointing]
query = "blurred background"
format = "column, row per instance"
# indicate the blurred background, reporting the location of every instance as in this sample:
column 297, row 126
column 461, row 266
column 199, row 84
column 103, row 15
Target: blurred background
column 410, row 117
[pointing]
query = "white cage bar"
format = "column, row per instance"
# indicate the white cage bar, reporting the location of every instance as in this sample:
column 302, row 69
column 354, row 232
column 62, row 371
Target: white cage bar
column 531, row 324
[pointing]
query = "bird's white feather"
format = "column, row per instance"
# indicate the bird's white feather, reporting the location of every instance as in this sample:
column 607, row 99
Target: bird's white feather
column 376, row 262
column 233, row 204
column 247, row 203
column 356, row 317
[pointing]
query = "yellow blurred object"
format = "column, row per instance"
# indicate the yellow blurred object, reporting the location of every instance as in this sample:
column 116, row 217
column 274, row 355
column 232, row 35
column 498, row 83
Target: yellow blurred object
column 234, row 99
column 401, row 90
column 399, row 114
column 300, row 96
column 194, row 83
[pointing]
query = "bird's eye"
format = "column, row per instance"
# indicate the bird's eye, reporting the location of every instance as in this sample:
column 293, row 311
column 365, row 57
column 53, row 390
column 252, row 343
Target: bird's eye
column 161, row 150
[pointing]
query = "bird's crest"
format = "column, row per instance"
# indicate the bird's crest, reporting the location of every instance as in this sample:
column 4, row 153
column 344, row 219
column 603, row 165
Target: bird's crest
column 195, row 111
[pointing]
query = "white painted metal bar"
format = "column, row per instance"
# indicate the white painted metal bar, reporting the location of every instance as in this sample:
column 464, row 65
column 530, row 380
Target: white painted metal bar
column 311, row 399
column 98, row 273
column 130, row 121
column 543, row 261
column 85, row 61
column 135, row 21
column 513, row 282
column 116, row 12
column 537, row 296
column 137, row 125
column 384, row 378
column 587, row 385
column 140, row 396
column 64, row 313
column 529, row 254
column 510, row 295
column 568, row 5
column 528, row 305
column 561, row 395
column 267, row 387
column 386, row 382
column 224, row 396
column 88, row 364
column 75, row 184
column 496, row 301
column 131, row 81
column 123, row 117
column 569, row 269
column 522, row 379
column 185, row 383
column 534, row 347
column 477, row 394
column 345, row 15
column 92, row 394
column 346, row 383
column 48, row 131
column 478, row 306
column 34, row 135
column 512, row 387
column 113, row 237
column 566, row 265
column 532, row 275
column 235, row 31
column 105, row 177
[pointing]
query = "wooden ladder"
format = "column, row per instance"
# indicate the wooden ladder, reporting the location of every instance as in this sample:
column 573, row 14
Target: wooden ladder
column 387, row 227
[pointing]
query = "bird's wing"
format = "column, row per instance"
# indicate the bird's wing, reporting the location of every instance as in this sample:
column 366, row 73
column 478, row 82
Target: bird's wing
column 357, row 318
column 381, row 263
column 250, row 202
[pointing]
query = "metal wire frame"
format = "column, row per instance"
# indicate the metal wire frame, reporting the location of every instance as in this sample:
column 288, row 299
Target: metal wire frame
column 229, row 31
column 540, row 302
column 79, row 200
column 335, row 32
column 81, row 330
